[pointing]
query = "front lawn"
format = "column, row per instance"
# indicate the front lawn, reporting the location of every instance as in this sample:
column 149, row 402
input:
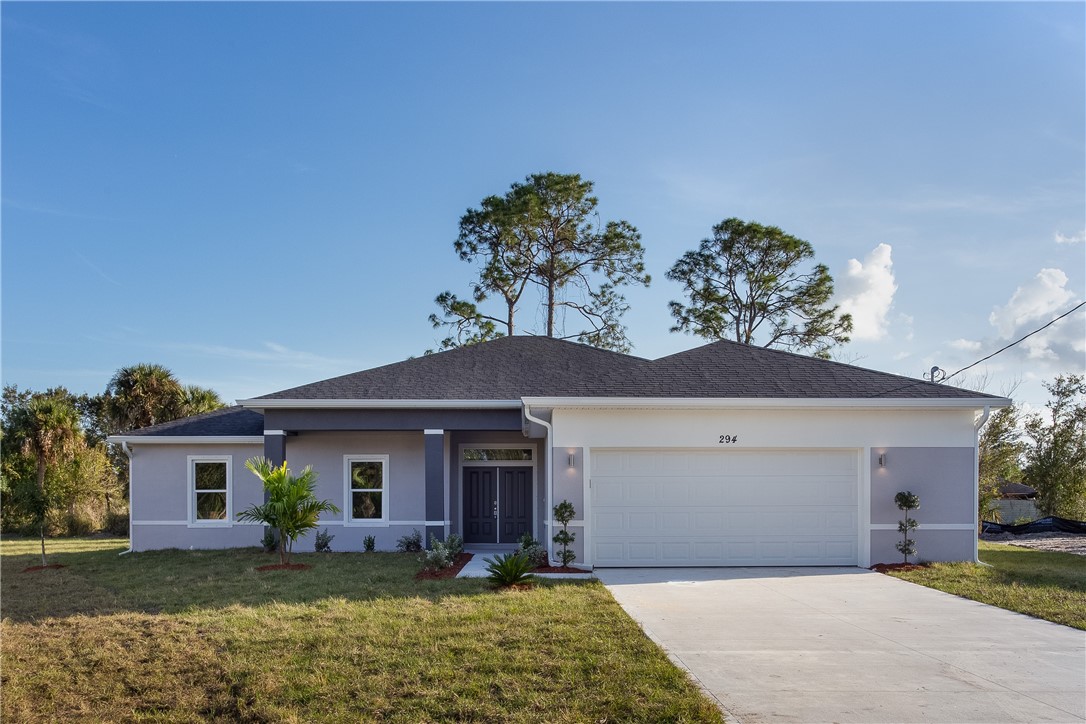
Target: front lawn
column 201, row 635
column 1044, row 584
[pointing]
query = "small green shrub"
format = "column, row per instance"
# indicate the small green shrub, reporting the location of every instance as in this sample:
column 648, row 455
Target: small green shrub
column 437, row 557
column 455, row 545
column 269, row 543
column 323, row 544
column 509, row 570
column 369, row 544
column 411, row 543
column 563, row 513
column 533, row 550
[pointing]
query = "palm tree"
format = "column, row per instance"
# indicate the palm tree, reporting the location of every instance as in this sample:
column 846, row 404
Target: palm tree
column 291, row 506
column 48, row 428
column 142, row 395
column 201, row 399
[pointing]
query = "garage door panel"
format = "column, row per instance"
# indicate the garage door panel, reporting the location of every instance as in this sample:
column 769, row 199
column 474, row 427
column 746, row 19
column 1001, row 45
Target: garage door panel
column 724, row 508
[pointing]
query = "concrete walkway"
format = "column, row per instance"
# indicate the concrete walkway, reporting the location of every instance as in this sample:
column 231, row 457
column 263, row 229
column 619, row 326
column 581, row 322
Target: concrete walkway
column 476, row 567
column 848, row 645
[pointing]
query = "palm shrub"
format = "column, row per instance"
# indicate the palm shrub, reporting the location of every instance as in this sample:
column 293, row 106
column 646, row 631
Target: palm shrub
column 907, row 501
column 509, row 569
column 369, row 544
column 563, row 513
column 291, row 508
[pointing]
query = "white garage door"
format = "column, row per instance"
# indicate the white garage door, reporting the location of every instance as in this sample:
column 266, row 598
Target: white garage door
column 716, row 508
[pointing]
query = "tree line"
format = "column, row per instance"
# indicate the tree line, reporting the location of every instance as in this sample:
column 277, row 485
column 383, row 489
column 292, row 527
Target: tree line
column 57, row 473
column 543, row 254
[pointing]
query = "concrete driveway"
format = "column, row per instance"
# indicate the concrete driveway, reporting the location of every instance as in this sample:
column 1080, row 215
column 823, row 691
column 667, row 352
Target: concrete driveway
column 849, row 645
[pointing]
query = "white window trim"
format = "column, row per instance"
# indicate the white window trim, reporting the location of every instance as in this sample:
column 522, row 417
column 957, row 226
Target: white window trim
column 192, row 520
column 381, row 522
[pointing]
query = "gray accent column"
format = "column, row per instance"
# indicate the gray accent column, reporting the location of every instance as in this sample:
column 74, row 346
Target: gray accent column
column 435, row 484
column 275, row 446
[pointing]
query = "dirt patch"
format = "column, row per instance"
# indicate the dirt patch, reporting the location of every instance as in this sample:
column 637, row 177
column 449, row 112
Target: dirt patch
column 560, row 569
column 1058, row 542
column 51, row 566
column 284, row 567
column 450, row 572
column 884, row 567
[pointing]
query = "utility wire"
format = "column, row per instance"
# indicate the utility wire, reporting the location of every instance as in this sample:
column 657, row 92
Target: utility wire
column 1004, row 349
column 993, row 354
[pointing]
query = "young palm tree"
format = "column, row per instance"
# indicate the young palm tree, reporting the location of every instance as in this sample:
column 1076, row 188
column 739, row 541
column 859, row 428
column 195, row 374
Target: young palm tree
column 292, row 508
column 48, row 429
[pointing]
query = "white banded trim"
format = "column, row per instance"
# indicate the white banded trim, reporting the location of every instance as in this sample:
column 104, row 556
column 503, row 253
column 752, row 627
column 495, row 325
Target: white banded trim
column 433, row 432
column 572, row 523
column 275, row 432
column 320, row 523
column 925, row 526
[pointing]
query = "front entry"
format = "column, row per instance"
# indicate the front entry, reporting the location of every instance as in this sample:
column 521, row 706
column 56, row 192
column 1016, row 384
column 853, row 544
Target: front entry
column 497, row 503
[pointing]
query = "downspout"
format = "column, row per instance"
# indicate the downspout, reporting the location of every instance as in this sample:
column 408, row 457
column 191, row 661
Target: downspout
column 976, row 482
column 128, row 452
column 548, row 455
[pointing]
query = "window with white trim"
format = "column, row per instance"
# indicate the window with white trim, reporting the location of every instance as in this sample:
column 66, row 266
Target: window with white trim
column 209, row 490
column 366, row 488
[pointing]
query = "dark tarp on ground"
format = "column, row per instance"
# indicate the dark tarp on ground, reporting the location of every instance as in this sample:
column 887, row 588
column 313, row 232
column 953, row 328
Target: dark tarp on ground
column 1051, row 524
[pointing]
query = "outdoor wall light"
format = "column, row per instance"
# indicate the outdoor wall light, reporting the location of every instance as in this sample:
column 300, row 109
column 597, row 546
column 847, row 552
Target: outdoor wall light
column 882, row 460
column 572, row 460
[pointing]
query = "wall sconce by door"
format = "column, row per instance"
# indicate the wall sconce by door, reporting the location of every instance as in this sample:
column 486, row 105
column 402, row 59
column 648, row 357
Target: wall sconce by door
column 882, row 460
column 572, row 460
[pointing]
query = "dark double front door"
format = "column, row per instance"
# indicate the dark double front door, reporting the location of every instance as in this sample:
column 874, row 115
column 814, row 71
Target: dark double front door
column 497, row 504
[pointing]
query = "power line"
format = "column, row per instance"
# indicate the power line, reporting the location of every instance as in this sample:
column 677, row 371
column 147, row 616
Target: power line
column 1004, row 349
column 993, row 354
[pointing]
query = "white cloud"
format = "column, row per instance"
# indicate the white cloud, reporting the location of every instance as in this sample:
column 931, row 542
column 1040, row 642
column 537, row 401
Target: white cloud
column 1059, row 348
column 1037, row 300
column 1078, row 238
column 866, row 291
column 967, row 345
column 270, row 353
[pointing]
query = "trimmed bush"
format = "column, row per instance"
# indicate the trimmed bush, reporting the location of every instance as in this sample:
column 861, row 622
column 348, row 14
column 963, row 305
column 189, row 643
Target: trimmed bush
column 369, row 544
column 323, row 543
column 411, row 543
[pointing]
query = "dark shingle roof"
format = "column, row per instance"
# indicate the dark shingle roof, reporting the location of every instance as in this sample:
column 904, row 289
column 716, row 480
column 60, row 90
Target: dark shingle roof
column 224, row 422
column 513, row 367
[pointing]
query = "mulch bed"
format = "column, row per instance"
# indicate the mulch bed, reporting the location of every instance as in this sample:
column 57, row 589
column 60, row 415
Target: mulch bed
column 560, row 569
column 450, row 572
column 35, row 569
column 884, row 567
column 284, row 567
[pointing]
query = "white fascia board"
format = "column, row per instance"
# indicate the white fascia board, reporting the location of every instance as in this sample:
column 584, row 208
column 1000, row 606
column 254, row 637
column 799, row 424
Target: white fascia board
column 187, row 439
column 750, row 403
column 258, row 404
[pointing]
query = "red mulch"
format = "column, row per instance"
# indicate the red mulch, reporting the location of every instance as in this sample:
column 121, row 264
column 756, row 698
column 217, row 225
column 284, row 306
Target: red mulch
column 285, row 567
column 34, row 569
column 560, row 569
column 884, row 567
column 450, row 572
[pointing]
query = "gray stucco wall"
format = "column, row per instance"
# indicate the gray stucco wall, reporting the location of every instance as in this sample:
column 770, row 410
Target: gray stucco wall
column 405, row 497
column 569, row 485
column 159, row 497
column 943, row 477
column 931, row 545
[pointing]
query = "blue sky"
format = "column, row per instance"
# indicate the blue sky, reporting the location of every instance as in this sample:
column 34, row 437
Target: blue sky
column 263, row 195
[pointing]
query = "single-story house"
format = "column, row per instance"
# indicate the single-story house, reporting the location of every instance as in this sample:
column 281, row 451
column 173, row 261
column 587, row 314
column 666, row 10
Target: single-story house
column 722, row 455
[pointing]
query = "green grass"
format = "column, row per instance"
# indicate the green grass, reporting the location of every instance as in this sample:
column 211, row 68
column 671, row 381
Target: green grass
column 1038, row 583
column 198, row 636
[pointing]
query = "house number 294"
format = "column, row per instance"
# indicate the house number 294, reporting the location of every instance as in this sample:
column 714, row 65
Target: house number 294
column 728, row 439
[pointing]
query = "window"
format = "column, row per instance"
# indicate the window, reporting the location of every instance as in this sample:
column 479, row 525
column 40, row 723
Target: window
column 366, row 485
column 209, row 490
column 474, row 454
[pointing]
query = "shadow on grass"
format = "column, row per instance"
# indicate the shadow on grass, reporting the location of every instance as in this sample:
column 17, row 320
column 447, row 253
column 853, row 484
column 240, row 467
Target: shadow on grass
column 96, row 580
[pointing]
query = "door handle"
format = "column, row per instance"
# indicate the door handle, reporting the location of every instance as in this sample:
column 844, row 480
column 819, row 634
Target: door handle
column 495, row 509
